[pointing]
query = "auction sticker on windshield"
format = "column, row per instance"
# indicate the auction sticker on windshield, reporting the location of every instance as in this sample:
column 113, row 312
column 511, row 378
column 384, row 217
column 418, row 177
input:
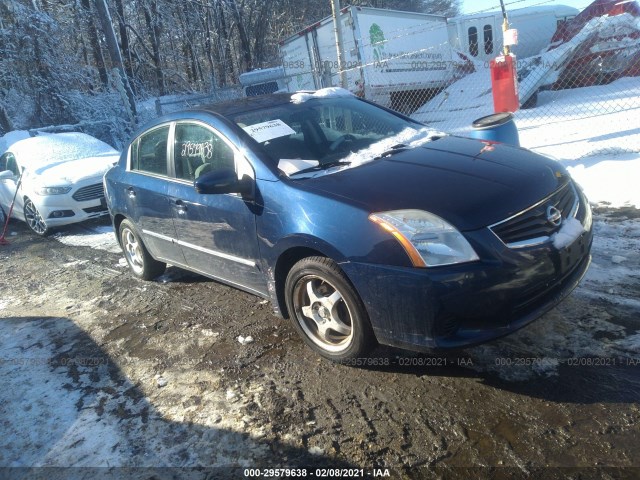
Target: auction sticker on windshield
column 262, row 132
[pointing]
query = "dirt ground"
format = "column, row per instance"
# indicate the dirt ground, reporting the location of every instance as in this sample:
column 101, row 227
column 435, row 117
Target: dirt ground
column 102, row 370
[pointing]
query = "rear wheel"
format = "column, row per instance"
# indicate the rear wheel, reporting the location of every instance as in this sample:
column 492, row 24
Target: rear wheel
column 142, row 264
column 34, row 220
column 327, row 311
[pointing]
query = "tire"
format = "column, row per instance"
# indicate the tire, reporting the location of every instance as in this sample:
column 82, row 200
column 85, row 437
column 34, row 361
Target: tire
column 33, row 218
column 141, row 263
column 327, row 311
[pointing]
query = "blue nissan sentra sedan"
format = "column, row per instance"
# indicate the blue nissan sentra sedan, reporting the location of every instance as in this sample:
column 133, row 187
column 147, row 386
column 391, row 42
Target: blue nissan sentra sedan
column 359, row 224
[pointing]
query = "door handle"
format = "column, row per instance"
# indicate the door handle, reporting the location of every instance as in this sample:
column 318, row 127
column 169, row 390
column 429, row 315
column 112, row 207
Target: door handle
column 131, row 192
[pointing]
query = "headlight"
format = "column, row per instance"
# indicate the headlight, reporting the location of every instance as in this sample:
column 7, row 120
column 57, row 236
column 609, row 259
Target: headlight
column 53, row 190
column 428, row 239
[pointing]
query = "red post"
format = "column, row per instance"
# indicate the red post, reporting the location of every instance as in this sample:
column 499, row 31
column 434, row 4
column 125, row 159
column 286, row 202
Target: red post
column 504, row 83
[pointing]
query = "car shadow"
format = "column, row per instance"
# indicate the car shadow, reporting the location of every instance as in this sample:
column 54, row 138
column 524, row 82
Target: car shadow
column 507, row 364
column 580, row 380
column 69, row 411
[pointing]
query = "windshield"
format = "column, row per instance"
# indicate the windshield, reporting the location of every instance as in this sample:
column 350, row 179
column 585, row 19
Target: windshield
column 322, row 135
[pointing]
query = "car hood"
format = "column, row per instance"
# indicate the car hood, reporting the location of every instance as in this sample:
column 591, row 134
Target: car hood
column 469, row 183
column 73, row 171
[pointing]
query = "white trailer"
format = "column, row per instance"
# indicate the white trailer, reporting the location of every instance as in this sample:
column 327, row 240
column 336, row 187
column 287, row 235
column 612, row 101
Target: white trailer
column 391, row 57
column 480, row 35
column 263, row 81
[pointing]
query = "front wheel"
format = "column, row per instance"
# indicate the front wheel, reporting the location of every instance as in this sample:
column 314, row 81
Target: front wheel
column 327, row 311
column 142, row 264
column 34, row 220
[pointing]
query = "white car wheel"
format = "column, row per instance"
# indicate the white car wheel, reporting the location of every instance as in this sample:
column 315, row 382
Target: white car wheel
column 34, row 220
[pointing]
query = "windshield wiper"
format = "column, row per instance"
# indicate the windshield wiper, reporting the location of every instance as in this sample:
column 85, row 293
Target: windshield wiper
column 321, row 166
column 400, row 147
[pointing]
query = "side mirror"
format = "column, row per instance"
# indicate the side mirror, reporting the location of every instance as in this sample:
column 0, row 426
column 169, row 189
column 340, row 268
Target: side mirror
column 223, row 180
column 6, row 174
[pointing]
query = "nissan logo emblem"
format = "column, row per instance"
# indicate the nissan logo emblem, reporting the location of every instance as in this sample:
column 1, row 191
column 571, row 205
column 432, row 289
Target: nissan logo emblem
column 554, row 217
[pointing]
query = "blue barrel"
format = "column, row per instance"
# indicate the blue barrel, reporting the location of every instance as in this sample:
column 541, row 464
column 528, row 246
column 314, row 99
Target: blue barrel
column 498, row 127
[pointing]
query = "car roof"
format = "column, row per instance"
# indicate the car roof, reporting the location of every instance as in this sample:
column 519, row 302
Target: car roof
column 55, row 147
column 246, row 104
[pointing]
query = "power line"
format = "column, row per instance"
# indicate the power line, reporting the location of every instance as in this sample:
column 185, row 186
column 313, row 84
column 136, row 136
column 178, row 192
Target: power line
column 515, row 2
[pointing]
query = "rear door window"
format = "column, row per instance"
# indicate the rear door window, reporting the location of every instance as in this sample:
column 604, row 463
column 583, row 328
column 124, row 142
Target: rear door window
column 149, row 152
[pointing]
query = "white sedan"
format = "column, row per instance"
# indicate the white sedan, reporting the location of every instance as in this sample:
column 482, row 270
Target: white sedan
column 61, row 179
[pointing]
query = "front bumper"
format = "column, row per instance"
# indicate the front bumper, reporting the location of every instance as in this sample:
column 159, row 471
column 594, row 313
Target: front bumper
column 463, row 305
column 57, row 210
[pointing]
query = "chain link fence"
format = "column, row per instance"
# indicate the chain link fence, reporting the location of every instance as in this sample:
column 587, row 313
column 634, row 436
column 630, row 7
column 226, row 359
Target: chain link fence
column 578, row 78
column 180, row 102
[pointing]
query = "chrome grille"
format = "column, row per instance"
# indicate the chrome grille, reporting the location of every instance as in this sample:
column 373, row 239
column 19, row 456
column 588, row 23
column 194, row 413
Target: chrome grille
column 532, row 227
column 90, row 192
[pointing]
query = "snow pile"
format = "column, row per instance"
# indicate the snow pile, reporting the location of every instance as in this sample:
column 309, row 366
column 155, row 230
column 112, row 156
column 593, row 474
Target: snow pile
column 409, row 137
column 302, row 97
column 570, row 230
column 98, row 237
column 608, row 179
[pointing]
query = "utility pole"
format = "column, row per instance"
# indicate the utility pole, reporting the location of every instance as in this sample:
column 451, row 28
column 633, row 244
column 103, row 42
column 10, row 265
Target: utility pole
column 505, row 26
column 114, row 51
column 337, row 28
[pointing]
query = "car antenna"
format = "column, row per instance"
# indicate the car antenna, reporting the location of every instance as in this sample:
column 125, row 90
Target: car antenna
column 4, row 241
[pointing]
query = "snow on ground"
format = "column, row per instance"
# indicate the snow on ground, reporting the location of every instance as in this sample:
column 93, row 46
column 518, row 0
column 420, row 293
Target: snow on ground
column 559, row 336
column 96, row 417
column 580, row 122
column 608, row 179
column 601, row 150
column 99, row 237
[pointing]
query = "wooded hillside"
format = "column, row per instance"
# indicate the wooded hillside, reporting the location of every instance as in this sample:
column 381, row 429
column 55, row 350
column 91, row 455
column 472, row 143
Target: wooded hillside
column 66, row 61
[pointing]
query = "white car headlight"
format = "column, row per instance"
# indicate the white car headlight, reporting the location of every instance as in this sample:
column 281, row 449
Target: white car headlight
column 428, row 239
column 53, row 190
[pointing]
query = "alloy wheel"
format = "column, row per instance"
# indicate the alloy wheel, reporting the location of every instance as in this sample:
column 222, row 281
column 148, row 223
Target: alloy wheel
column 323, row 314
column 133, row 251
column 34, row 219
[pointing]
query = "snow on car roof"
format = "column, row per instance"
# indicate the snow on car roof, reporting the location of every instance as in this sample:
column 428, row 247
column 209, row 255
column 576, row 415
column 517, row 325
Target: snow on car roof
column 59, row 147
column 7, row 141
column 301, row 97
